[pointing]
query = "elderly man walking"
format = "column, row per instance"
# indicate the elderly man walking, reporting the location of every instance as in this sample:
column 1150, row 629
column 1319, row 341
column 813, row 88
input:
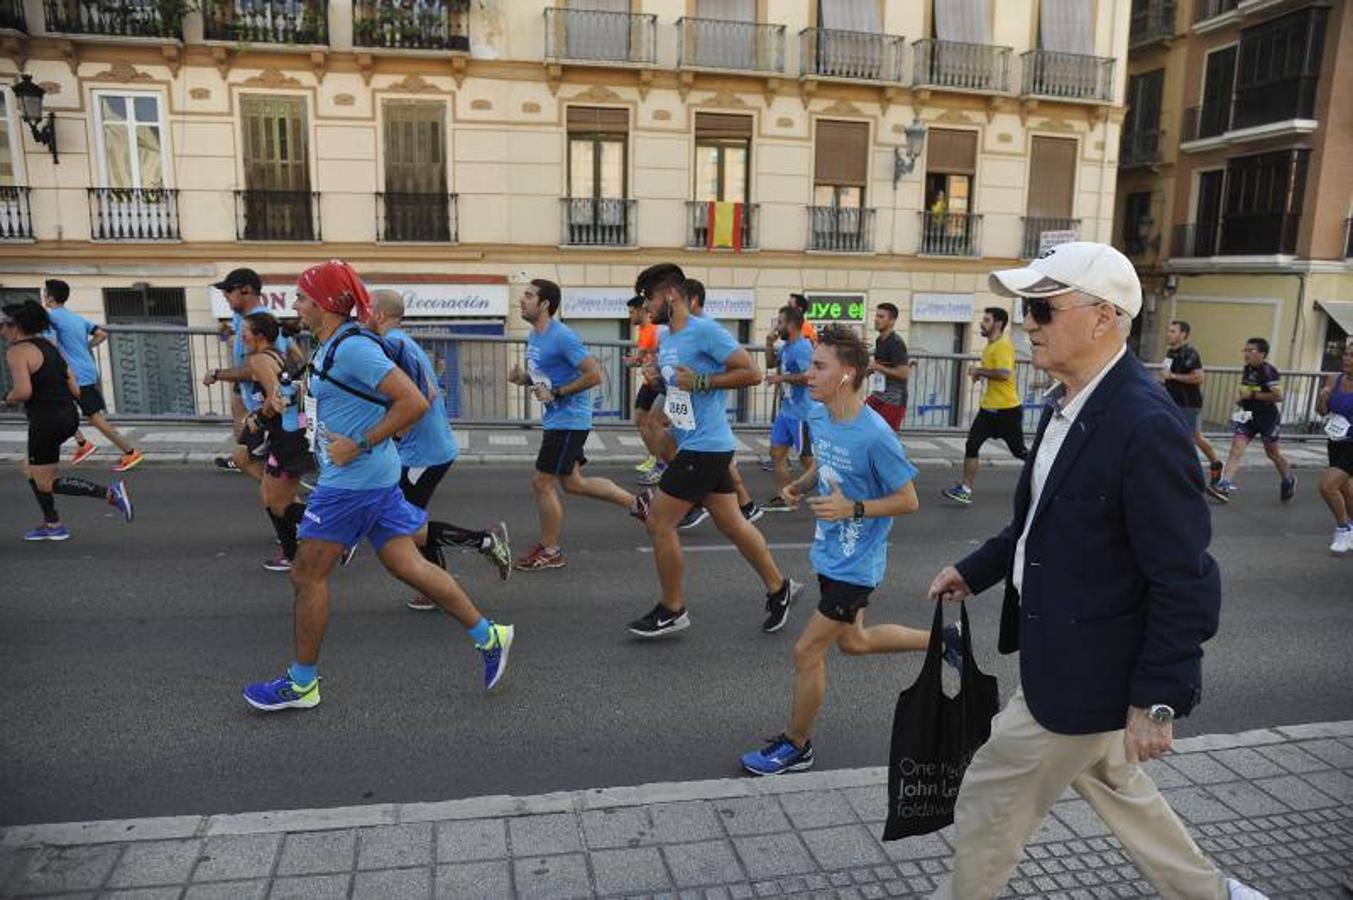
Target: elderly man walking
column 1109, row 592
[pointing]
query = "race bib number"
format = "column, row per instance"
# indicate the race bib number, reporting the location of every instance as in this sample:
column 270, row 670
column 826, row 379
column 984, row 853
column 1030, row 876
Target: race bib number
column 1241, row 416
column 877, row 382
column 786, row 392
column 1337, row 427
column 679, row 409
column 311, row 416
column 1166, row 366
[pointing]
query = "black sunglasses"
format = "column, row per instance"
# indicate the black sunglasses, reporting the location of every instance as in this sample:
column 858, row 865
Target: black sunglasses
column 1040, row 309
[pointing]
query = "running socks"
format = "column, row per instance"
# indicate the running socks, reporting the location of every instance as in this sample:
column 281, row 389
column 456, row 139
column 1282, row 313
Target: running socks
column 47, row 502
column 481, row 632
column 285, row 526
column 444, row 534
column 302, row 675
column 79, row 487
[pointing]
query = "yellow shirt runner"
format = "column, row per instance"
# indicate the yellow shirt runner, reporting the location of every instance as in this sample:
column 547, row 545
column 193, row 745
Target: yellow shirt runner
column 1000, row 354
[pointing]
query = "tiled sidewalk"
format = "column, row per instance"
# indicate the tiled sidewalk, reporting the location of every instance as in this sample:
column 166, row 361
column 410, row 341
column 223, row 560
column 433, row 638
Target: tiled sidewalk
column 1272, row 807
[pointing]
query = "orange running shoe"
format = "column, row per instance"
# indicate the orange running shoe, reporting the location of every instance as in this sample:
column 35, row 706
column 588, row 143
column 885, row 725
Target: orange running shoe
column 129, row 461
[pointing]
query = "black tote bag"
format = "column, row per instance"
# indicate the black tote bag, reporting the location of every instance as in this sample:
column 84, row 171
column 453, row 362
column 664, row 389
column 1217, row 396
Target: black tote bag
column 934, row 737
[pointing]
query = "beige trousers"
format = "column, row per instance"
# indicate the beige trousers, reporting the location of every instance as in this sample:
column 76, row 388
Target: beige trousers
column 1016, row 777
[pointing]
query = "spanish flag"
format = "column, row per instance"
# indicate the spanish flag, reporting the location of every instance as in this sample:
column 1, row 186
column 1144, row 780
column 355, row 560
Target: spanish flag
column 724, row 225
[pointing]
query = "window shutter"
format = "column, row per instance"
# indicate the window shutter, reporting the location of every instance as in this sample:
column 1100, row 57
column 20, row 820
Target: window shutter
column 842, row 153
column 965, row 21
column 597, row 120
column 275, row 156
column 721, row 125
column 850, row 15
column 1052, row 177
column 414, row 142
column 1066, row 26
column 952, row 152
column 727, row 10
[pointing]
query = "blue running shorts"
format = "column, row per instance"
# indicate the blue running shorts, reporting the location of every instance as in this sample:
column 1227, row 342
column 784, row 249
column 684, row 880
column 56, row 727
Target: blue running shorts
column 791, row 432
column 345, row 517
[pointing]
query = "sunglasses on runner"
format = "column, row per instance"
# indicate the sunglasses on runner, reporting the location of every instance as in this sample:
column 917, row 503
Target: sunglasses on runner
column 1040, row 309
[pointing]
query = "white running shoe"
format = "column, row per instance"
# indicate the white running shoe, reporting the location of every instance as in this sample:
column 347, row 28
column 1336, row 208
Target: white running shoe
column 1237, row 891
column 1342, row 542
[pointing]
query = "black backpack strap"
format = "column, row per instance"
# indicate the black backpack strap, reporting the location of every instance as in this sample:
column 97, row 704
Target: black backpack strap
column 323, row 373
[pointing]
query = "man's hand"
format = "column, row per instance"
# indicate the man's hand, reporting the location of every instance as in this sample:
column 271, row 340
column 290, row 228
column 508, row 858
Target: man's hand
column 516, row 375
column 791, row 494
column 873, row 366
column 685, row 378
column 209, row 379
column 1146, row 739
column 543, row 394
column 342, row 450
column 776, row 378
column 277, row 404
column 834, row 506
column 949, row 586
column 973, row 373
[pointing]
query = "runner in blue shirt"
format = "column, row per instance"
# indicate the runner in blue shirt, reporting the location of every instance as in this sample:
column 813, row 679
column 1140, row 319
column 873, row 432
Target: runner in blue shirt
column 427, row 450
column 862, row 479
column 698, row 360
column 353, row 409
column 790, row 428
column 561, row 374
column 76, row 337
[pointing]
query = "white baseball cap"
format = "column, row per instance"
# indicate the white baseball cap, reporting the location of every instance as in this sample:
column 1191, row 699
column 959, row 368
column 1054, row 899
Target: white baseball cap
column 1094, row 269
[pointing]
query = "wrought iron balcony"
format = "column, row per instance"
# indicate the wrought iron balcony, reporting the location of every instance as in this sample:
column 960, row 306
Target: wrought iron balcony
column 416, row 217
column 277, row 215
column 599, row 222
column 841, row 229
column 1206, row 122
column 950, row 234
column 116, row 18
column 266, row 21
column 856, row 55
column 1067, row 76
column 412, row 24
column 1262, row 234
column 697, row 225
column 1151, row 21
column 134, row 214
column 720, row 44
column 1034, row 226
column 12, row 16
column 589, row 35
column 1210, row 9
column 1195, row 239
column 1274, row 101
column 16, row 216
column 1139, row 148
column 952, row 64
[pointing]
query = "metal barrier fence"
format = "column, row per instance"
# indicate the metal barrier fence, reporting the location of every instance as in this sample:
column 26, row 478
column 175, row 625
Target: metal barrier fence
column 156, row 372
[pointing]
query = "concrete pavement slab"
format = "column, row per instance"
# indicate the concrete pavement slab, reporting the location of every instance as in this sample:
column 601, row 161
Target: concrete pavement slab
column 472, row 839
column 238, row 856
column 557, row 877
column 394, row 846
column 228, row 890
column 629, row 871
column 156, row 862
column 474, row 881
column 312, row 852
column 385, row 884
column 703, row 863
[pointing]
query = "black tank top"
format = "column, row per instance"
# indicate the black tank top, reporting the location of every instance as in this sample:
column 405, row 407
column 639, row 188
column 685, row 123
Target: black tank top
column 50, row 390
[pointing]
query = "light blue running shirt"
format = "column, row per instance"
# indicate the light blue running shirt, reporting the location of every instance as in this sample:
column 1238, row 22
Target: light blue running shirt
column 557, row 355
column 796, row 357
column 281, row 345
column 72, row 338
column 361, row 363
column 703, row 346
column 866, row 459
column 430, row 442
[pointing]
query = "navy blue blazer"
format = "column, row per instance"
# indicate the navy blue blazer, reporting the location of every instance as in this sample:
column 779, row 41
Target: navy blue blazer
column 1119, row 591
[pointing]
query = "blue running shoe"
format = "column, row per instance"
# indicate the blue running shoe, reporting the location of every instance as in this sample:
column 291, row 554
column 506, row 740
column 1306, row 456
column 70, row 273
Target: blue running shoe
column 778, row 756
column 959, row 494
column 495, row 654
column 119, row 497
column 282, row 693
column 55, row 532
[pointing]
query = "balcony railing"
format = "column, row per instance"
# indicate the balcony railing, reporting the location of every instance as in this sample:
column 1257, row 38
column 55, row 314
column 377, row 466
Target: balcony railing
column 277, row 215
column 1067, row 76
column 697, row 225
column 593, row 35
column 841, row 229
column 16, row 216
column 12, row 15
column 1034, row 226
column 115, row 18
column 134, row 214
column 969, row 67
column 1152, row 22
column 412, row 24
column 1263, row 234
column 266, row 21
column 424, row 217
column 1206, row 122
column 950, row 234
column 719, row 44
column 1139, row 148
column 598, row 222
column 857, row 55
column 1210, row 9
column 1195, row 239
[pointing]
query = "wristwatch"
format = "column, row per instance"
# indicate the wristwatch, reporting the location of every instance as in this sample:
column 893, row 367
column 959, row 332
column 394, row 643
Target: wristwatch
column 364, row 446
column 859, row 509
column 1161, row 713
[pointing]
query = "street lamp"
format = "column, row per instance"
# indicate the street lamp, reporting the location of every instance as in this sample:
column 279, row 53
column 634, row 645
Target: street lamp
column 903, row 165
column 30, row 96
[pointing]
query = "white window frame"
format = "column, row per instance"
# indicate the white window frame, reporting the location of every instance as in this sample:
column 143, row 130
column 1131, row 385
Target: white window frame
column 16, row 129
column 166, row 154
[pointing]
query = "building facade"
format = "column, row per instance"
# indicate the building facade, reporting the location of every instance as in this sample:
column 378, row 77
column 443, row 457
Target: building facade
column 1236, row 179
column 452, row 148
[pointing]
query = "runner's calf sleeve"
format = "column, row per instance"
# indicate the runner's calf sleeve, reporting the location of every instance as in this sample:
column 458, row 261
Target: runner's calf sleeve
column 46, row 501
column 78, row 487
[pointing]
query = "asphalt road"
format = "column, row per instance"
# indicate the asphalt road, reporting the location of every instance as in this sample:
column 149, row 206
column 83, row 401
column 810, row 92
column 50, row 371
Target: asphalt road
column 123, row 651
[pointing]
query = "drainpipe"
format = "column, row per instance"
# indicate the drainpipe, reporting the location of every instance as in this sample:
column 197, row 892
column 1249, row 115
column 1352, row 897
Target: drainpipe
column 1299, row 325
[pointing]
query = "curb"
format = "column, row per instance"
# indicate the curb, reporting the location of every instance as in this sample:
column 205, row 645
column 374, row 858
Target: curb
column 503, row 806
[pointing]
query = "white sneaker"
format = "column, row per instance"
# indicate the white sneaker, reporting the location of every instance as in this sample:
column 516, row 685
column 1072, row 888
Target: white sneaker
column 1237, row 891
column 1342, row 541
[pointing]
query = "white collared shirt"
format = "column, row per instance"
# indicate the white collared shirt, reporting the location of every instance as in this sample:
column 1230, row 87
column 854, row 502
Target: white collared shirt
column 1059, row 426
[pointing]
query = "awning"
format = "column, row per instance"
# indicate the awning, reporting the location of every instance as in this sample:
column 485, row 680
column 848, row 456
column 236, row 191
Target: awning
column 1341, row 311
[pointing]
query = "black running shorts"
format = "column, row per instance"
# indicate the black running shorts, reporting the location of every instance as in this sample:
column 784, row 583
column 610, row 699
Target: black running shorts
column 1006, row 424
column 646, row 397
column 91, row 400
column 288, row 454
column 418, row 484
column 841, row 601
column 1341, row 455
column 692, row 474
column 48, row 428
column 561, row 450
